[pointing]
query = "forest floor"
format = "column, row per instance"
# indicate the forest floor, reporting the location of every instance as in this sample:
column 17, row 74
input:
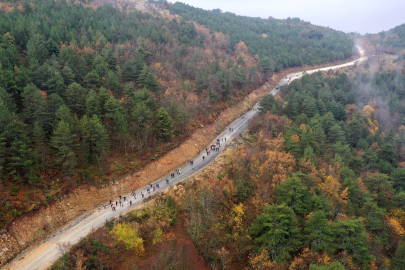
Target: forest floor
column 29, row 229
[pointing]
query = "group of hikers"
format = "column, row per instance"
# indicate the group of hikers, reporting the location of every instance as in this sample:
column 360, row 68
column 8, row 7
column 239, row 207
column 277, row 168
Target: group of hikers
column 121, row 202
column 214, row 147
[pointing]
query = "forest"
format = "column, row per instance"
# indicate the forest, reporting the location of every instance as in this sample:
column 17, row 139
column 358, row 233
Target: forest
column 90, row 94
column 317, row 184
column 393, row 38
column 278, row 43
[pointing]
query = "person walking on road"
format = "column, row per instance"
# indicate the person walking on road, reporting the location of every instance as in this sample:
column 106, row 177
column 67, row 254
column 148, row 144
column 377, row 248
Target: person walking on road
column 167, row 181
column 203, row 157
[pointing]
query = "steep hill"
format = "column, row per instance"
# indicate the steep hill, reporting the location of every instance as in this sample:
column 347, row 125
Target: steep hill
column 89, row 92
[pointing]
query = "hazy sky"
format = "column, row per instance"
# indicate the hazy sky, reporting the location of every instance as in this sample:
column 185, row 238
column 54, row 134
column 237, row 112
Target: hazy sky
column 362, row 16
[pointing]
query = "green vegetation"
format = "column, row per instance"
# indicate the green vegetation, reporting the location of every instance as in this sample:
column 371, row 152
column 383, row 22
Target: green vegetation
column 393, row 38
column 319, row 186
column 84, row 88
column 278, row 43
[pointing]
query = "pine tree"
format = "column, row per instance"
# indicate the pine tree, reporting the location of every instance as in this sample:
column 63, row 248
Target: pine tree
column 20, row 159
column 92, row 79
column 276, row 231
column 93, row 106
column 336, row 134
column 398, row 260
column 95, row 139
column 201, row 82
column 39, row 140
column 309, row 106
column 68, row 74
column 76, row 98
column 164, row 125
column 351, row 238
column 318, row 235
column 374, row 215
column 112, row 82
column 295, row 195
column 266, row 65
column 63, row 141
column 34, row 105
column 147, row 80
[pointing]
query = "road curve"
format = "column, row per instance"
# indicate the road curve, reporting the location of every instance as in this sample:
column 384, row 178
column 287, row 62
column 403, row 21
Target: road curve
column 46, row 253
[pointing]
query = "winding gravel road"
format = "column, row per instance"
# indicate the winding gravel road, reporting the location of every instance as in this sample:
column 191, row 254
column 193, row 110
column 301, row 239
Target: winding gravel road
column 46, row 253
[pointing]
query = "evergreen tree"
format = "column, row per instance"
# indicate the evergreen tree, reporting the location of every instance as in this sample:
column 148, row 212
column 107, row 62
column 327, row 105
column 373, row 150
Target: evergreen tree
column 336, row 134
column 374, row 216
column 276, row 231
column 266, row 104
column 20, row 159
column 319, row 236
column 92, row 79
column 147, row 80
column 34, row 105
column 95, row 139
column 68, row 74
column 398, row 261
column 76, row 98
column 266, row 65
column 309, row 155
column 63, row 141
column 351, row 238
column 310, row 108
column 112, row 82
column 93, row 106
column 164, row 125
column 294, row 194
column 201, row 82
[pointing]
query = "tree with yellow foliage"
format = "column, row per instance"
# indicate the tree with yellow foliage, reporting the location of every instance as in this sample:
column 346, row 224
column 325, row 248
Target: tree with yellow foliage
column 125, row 232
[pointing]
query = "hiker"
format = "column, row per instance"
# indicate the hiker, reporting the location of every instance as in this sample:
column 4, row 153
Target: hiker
column 167, row 181
column 120, row 197
column 142, row 195
column 125, row 198
column 179, row 171
column 116, row 203
column 130, row 202
column 203, row 157
column 225, row 138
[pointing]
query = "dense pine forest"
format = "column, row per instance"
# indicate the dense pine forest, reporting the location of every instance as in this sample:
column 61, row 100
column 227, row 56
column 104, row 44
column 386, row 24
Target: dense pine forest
column 278, row 43
column 317, row 184
column 393, row 38
column 88, row 94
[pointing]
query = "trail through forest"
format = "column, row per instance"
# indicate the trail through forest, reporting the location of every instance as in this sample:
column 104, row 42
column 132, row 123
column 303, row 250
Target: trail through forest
column 46, row 253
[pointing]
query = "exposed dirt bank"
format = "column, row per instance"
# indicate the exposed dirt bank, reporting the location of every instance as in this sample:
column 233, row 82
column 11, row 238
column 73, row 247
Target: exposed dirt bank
column 34, row 227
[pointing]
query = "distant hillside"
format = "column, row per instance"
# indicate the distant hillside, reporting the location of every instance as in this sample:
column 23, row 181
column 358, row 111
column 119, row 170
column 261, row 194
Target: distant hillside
column 288, row 43
column 393, row 38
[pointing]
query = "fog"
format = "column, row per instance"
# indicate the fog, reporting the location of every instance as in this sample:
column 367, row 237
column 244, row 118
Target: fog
column 371, row 16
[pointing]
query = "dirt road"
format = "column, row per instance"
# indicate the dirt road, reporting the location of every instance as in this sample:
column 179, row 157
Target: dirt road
column 46, row 253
